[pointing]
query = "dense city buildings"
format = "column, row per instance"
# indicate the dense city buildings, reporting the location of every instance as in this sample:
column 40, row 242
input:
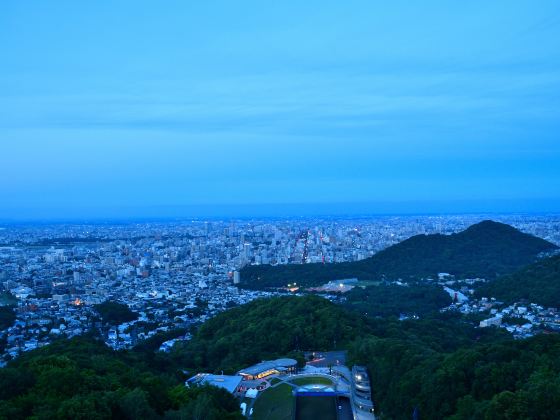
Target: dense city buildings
column 174, row 274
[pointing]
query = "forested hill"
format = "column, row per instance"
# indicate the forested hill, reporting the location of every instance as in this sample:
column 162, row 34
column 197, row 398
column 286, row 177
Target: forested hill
column 82, row 378
column 537, row 283
column 487, row 249
column 441, row 367
column 267, row 329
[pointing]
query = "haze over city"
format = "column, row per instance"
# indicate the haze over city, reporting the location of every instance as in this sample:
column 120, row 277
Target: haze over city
column 132, row 109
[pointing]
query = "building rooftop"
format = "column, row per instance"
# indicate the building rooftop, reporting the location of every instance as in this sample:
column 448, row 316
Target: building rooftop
column 268, row 365
column 227, row 382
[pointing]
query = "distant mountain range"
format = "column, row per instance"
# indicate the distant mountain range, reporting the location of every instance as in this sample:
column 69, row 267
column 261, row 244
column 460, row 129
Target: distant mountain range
column 488, row 250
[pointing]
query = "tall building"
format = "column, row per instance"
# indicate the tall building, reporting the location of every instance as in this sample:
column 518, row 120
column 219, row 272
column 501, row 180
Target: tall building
column 77, row 277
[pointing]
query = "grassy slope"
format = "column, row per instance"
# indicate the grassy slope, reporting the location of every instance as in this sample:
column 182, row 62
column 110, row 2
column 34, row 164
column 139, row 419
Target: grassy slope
column 274, row 404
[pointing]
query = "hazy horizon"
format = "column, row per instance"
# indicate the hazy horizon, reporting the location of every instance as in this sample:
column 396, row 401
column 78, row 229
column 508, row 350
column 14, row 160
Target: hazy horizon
column 287, row 211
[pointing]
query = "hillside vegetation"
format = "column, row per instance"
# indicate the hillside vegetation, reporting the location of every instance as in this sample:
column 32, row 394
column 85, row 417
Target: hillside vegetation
column 7, row 317
column 487, row 249
column 537, row 283
column 83, row 379
column 501, row 380
column 440, row 366
column 393, row 300
column 473, row 373
column 269, row 328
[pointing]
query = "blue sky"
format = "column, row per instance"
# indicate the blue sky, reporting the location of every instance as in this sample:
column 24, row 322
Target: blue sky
column 129, row 108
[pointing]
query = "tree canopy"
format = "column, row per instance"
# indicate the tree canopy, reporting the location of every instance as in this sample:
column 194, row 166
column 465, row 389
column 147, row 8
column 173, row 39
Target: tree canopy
column 269, row 328
column 393, row 300
column 537, row 283
column 440, row 365
column 502, row 380
column 82, row 378
column 115, row 312
column 7, row 317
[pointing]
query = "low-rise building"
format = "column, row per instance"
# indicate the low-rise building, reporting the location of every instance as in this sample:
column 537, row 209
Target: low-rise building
column 267, row 368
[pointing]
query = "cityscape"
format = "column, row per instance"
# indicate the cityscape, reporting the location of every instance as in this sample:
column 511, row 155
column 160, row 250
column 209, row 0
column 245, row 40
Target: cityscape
column 179, row 274
column 279, row 210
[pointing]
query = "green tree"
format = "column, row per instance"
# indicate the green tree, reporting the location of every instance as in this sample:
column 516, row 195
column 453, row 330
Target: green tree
column 135, row 405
